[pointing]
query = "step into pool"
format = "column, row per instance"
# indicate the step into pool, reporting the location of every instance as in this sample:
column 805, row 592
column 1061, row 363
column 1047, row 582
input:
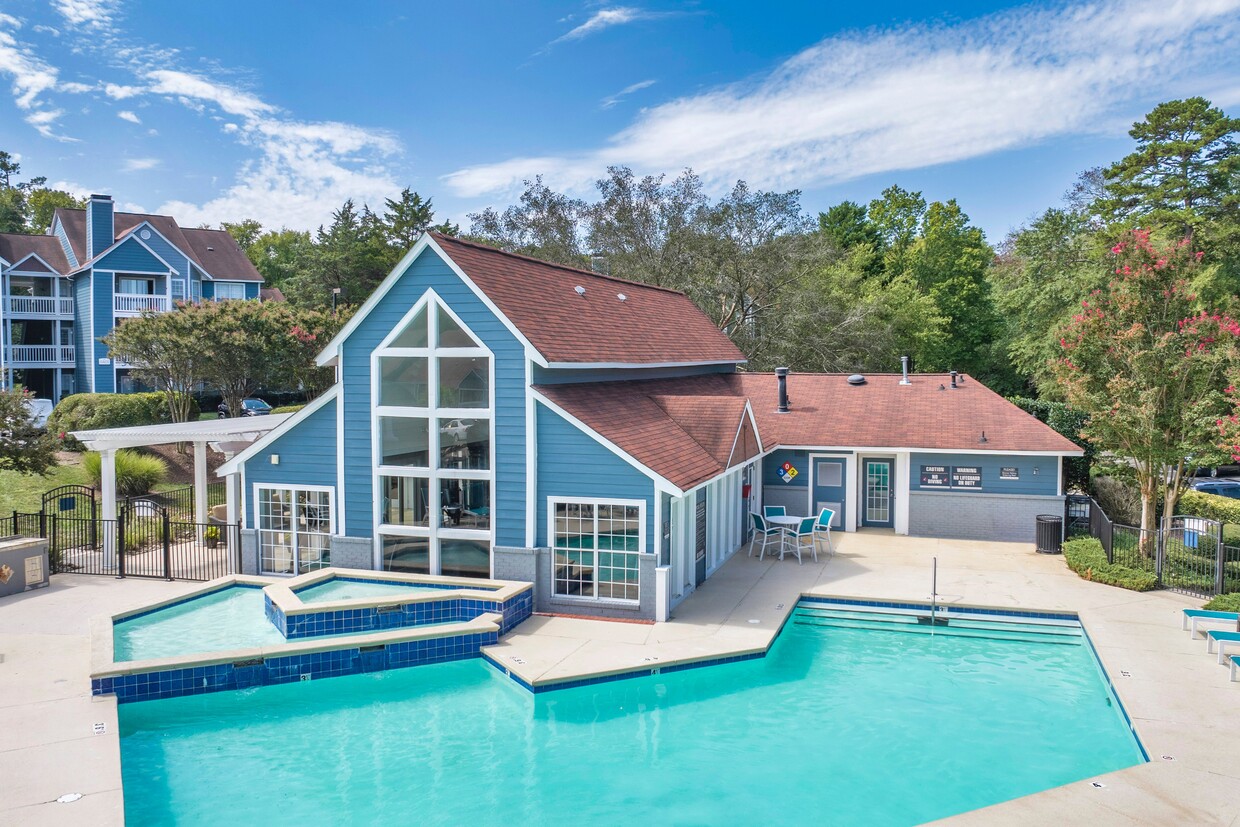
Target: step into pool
column 849, row 719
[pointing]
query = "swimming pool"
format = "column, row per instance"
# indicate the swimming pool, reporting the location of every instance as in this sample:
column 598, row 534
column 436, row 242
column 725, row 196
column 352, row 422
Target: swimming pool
column 848, row 720
column 336, row 589
column 230, row 618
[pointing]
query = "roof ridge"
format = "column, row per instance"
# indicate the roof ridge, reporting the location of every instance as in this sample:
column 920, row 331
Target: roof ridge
column 487, row 248
column 29, row 235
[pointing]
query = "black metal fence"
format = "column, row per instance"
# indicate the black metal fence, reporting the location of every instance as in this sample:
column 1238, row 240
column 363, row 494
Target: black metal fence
column 145, row 540
column 1188, row 554
column 180, row 501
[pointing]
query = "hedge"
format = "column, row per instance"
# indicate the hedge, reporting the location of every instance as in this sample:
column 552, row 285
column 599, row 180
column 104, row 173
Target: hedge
column 287, row 409
column 89, row 411
column 1087, row 558
column 1225, row 603
column 1210, row 506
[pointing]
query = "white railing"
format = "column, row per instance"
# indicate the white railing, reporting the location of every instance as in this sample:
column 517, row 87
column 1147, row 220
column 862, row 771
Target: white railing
column 41, row 305
column 45, row 354
column 135, row 303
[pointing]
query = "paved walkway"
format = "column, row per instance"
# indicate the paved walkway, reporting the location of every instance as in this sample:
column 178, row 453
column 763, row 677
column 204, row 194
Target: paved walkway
column 1182, row 703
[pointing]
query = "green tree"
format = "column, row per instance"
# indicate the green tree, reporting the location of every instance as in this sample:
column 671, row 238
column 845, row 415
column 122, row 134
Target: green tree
column 1149, row 367
column 351, row 255
column 42, row 204
column 23, row 446
column 168, row 352
column 543, row 224
column 245, row 232
column 243, row 347
column 847, row 225
column 1184, row 172
column 407, row 217
column 897, row 216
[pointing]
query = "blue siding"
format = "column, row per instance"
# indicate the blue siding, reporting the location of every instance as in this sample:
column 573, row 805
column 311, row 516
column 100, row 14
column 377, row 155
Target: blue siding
column 58, row 230
column 307, row 457
column 175, row 258
column 131, row 257
column 429, row 271
column 772, row 465
column 104, row 375
column 82, row 314
column 573, row 464
column 99, row 227
column 1045, row 482
column 548, row 376
column 251, row 290
column 208, row 290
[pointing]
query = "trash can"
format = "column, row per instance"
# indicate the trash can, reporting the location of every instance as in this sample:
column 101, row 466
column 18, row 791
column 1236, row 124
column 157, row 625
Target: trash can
column 1049, row 529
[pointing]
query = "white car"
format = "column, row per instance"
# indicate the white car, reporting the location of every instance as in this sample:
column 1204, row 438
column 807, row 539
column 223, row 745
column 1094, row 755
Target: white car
column 40, row 410
column 458, row 429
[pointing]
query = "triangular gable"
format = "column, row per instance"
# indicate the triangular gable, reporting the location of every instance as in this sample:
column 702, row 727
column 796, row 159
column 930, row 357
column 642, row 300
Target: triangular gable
column 747, row 445
column 33, row 264
column 132, row 256
column 710, row 420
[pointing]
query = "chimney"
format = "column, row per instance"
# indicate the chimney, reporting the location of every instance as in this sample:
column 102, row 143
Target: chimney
column 782, row 375
column 100, row 231
column 904, row 370
column 954, row 374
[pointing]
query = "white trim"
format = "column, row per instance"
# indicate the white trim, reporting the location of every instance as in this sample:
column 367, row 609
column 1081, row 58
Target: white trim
column 609, row 445
column 641, row 544
column 293, row 532
column 90, row 265
column 344, row 523
column 12, row 268
column 1059, row 485
column 531, row 458
column 736, row 438
column 913, row 450
column 329, row 352
column 640, row 365
column 91, row 364
column 234, row 464
column 134, row 233
column 848, row 517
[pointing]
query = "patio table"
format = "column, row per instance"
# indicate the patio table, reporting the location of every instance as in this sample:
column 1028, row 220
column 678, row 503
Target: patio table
column 788, row 521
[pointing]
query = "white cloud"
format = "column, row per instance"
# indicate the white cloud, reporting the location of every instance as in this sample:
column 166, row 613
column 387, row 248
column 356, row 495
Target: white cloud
column 126, row 115
column 879, row 101
column 31, row 78
column 97, row 14
column 606, row 19
column 190, row 87
column 611, row 100
column 140, row 164
column 74, row 88
column 120, row 92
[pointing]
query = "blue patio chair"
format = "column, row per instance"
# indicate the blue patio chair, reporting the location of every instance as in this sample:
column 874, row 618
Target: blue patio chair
column 770, row 511
column 766, row 531
column 802, row 537
column 822, row 528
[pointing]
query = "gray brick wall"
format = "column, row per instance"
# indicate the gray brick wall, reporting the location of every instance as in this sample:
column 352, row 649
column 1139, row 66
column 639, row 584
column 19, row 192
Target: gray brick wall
column 353, row 552
column 249, row 551
column 535, row 566
column 517, row 564
column 973, row 516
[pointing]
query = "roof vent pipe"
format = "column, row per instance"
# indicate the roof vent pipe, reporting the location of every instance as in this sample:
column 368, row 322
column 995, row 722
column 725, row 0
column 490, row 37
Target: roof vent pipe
column 954, row 374
column 782, row 375
column 904, row 370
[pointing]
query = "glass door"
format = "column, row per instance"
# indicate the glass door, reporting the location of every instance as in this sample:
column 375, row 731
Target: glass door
column 878, row 493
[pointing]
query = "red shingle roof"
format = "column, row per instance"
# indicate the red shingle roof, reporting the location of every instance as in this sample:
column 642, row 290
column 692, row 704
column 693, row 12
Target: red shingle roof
column 14, row 247
column 683, row 429
column 652, row 325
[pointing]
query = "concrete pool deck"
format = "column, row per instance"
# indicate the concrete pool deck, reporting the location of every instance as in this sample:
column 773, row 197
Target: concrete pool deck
column 1179, row 698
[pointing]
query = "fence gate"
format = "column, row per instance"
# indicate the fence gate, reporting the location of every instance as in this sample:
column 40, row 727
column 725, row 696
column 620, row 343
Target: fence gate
column 1192, row 557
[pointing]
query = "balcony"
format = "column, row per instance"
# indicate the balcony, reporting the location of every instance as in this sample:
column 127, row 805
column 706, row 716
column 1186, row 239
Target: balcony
column 41, row 355
column 137, row 303
column 40, row 306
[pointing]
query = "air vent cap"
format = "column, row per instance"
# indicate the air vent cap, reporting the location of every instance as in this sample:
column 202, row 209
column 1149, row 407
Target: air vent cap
column 856, row 379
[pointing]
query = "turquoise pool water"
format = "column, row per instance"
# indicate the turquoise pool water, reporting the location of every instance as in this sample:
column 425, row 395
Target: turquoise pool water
column 336, row 589
column 848, row 720
column 231, row 618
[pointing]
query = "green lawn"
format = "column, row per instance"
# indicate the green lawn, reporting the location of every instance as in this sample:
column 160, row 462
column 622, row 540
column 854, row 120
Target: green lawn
column 24, row 492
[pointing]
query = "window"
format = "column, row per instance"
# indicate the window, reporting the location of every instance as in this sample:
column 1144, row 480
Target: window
column 134, row 286
column 294, row 529
column 432, row 432
column 178, row 290
column 229, row 290
column 597, row 546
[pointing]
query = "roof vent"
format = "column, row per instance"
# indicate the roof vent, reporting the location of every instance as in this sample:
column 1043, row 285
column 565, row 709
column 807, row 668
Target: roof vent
column 781, row 377
column 622, row 297
column 856, row 379
column 210, row 249
column 581, row 291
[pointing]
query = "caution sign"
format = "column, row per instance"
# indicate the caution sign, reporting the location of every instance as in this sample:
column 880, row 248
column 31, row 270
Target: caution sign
column 788, row 472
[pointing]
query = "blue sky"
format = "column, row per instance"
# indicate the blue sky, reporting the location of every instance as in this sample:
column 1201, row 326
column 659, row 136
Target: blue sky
column 279, row 111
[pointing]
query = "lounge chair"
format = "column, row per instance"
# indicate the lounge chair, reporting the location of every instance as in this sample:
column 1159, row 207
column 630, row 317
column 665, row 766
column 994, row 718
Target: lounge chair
column 802, row 537
column 768, row 533
column 823, row 528
column 1195, row 616
column 769, row 511
column 1218, row 640
column 1235, row 667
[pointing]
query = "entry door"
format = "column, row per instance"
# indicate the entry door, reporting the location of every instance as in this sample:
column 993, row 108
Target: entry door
column 829, row 488
column 879, row 495
column 699, row 548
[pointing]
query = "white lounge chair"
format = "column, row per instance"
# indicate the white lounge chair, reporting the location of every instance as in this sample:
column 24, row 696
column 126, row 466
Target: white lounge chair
column 1195, row 616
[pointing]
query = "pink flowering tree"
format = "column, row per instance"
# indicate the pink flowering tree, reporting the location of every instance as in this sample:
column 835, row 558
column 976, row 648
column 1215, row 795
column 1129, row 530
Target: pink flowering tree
column 1150, row 367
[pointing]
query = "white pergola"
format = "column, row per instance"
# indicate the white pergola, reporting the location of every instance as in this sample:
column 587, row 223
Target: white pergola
column 229, row 436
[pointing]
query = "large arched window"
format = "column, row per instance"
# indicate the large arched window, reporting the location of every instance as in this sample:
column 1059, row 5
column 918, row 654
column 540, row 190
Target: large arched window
column 433, row 395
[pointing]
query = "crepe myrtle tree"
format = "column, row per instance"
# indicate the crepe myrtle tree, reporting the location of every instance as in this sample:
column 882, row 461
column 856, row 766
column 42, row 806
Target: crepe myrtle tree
column 1150, row 368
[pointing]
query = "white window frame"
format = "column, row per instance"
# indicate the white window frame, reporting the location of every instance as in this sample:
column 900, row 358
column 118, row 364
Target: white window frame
column 240, row 287
column 296, row 546
column 552, row 502
column 436, row 532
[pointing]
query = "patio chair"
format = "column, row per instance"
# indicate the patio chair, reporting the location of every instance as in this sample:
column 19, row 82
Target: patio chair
column 802, row 537
column 822, row 528
column 769, row 511
column 766, row 531
column 1195, row 616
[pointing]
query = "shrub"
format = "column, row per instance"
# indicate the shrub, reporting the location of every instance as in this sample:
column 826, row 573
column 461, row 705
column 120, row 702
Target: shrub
column 287, row 409
column 1225, row 603
column 135, row 473
column 1210, row 506
column 1086, row 557
column 90, row 411
column 1120, row 500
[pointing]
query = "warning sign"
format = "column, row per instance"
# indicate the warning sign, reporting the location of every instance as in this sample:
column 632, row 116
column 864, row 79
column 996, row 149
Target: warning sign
column 788, row 472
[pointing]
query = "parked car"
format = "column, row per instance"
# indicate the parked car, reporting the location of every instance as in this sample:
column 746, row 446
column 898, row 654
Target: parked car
column 40, row 410
column 458, row 429
column 1223, row 488
column 252, row 406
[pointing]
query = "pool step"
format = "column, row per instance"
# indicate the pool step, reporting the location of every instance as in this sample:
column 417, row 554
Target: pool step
column 956, row 626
